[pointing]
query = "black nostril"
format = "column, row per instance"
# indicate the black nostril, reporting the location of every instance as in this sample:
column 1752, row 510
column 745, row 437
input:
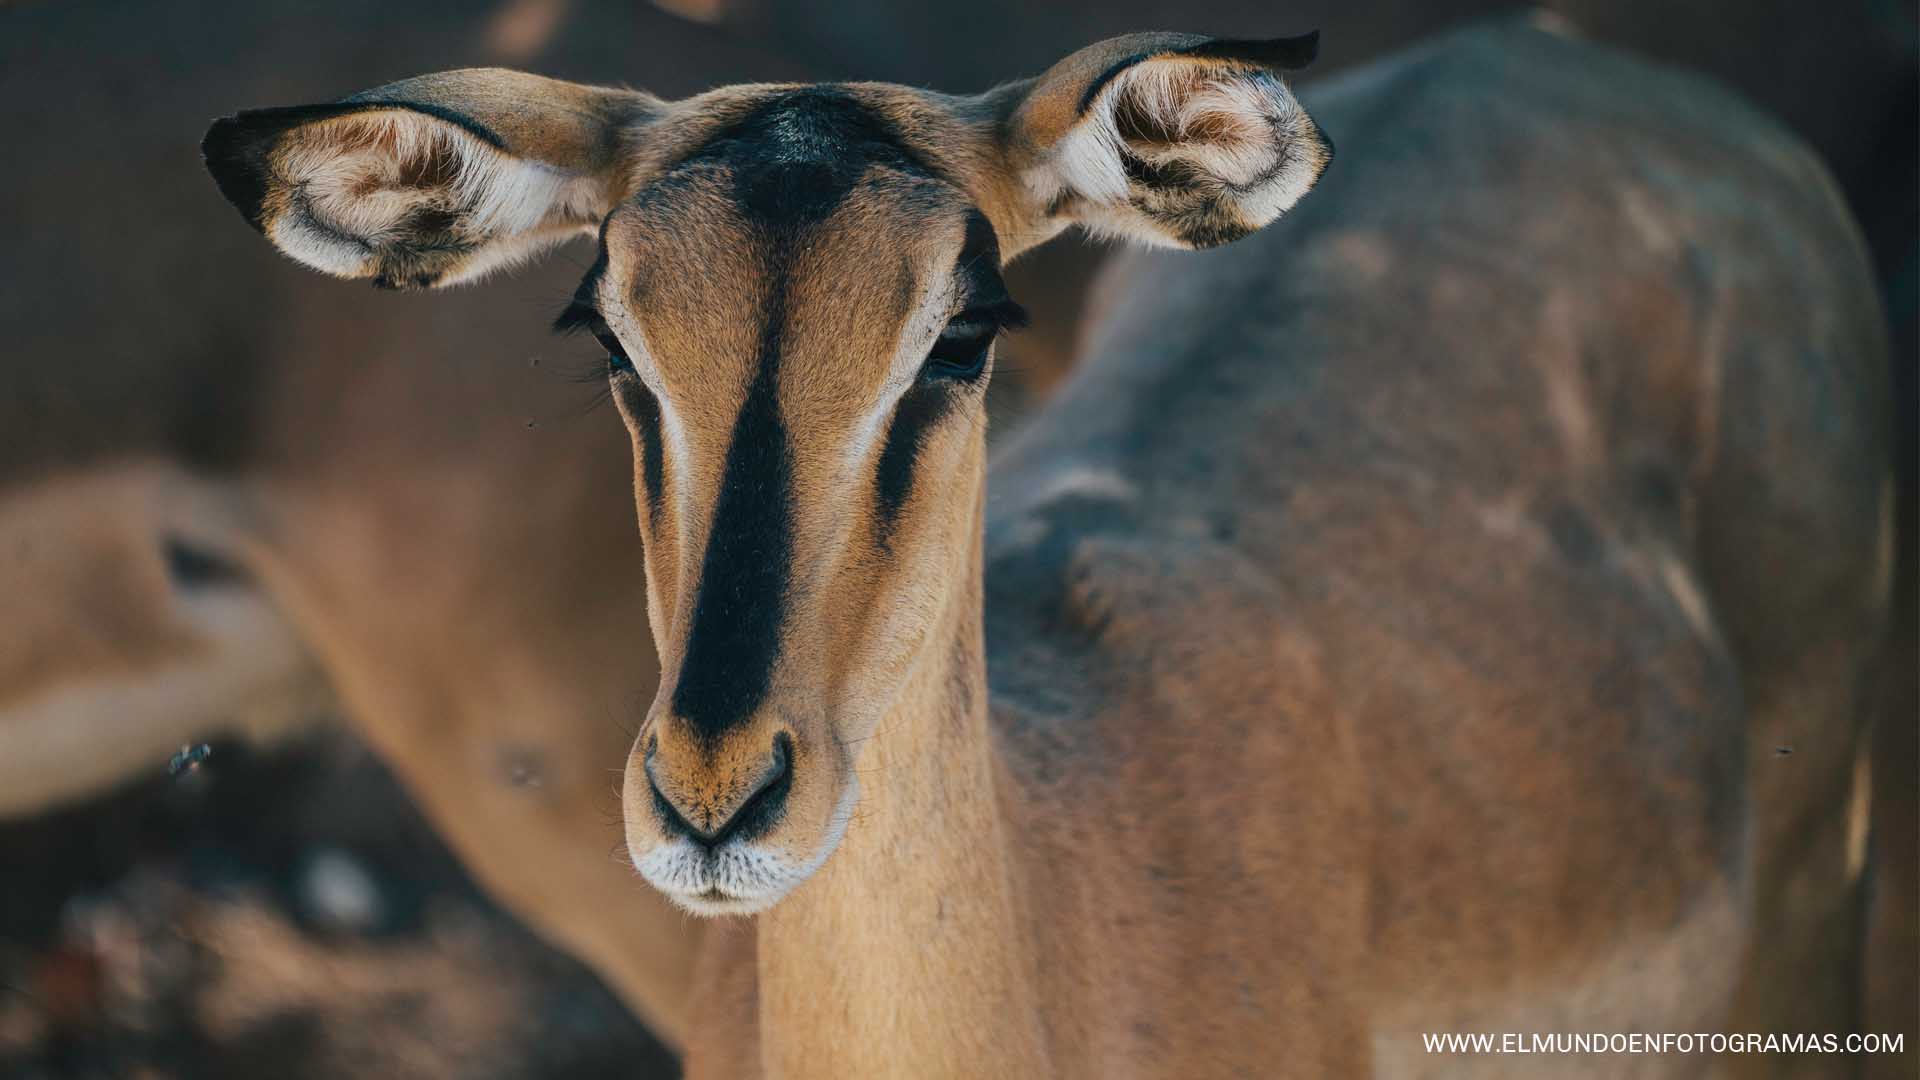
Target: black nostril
column 759, row 812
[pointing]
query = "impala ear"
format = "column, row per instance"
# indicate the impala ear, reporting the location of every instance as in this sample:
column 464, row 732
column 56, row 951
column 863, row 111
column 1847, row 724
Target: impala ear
column 1169, row 139
column 430, row 181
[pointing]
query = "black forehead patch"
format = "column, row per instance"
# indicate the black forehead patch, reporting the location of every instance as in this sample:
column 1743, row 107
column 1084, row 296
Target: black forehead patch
column 797, row 155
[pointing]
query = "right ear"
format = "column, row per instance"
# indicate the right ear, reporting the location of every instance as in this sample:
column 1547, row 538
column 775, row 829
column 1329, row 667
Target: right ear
column 431, row 181
column 1169, row 139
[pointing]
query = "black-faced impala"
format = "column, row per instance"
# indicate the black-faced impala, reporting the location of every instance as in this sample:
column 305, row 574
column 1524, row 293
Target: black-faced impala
column 1388, row 629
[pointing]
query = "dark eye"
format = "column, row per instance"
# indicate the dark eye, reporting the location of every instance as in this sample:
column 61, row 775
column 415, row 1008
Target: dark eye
column 617, row 361
column 191, row 566
column 960, row 352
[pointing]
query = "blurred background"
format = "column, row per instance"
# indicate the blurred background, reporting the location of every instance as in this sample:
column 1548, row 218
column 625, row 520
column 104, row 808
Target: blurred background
column 266, row 517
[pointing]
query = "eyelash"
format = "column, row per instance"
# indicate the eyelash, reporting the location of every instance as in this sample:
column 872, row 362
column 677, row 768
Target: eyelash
column 617, row 359
column 579, row 318
column 960, row 352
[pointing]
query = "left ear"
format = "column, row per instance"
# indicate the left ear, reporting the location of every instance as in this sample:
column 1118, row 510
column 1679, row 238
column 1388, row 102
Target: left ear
column 434, row 180
column 1170, row 139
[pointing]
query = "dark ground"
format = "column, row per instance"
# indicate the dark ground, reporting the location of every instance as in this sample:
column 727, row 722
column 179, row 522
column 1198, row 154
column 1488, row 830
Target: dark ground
column 280, row 914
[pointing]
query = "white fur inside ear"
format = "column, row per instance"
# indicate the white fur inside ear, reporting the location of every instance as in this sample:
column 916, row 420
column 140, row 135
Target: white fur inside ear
column 1239, row 126
column 361, row 182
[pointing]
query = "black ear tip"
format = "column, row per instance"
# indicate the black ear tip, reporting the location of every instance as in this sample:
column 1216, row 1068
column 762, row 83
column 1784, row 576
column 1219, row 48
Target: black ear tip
column 216, row 136
column 235, row 158
column 218, row 145
column 1304, row 49
column 1285, row 53
column 237, row 151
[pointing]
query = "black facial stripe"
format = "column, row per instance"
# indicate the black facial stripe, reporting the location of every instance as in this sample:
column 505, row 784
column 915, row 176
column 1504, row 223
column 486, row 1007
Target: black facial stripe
column 741, row 600
column 920, row 410
column 646, row 412
column 923, row 407
column 793, row 160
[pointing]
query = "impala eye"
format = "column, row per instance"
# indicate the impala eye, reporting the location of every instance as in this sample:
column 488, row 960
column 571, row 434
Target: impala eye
column 960, row 352
column 192, row 566
column 581, row 318
column 617, row 361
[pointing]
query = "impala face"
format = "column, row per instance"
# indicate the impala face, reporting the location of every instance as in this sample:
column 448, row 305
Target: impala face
column 798, row 289
column 799, row 319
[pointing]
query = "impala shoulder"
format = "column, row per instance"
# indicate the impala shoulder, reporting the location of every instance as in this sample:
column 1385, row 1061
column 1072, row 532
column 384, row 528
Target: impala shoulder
column 1089, row 592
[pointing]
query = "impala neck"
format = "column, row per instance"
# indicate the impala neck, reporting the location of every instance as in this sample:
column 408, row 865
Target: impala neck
column 907, row 954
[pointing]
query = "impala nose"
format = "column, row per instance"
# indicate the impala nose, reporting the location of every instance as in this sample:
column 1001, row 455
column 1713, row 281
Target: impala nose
column 741, row 811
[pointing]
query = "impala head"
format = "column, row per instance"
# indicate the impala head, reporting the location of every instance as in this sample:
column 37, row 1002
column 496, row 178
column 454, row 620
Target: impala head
column 798, row 288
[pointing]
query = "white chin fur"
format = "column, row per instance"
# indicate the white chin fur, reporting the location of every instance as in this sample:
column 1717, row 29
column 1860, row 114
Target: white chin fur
column 737, row 878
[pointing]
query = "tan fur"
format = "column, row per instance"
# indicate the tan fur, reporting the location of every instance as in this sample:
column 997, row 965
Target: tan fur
column 504, row 722
column 105, row 667
column 1351, row 678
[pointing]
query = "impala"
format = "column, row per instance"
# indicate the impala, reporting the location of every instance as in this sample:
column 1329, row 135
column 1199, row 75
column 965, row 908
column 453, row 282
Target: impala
column 1390, row 626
